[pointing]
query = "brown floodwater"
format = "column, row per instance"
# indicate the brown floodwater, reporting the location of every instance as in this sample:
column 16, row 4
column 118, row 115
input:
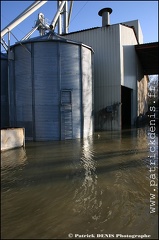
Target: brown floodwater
column 95, row 188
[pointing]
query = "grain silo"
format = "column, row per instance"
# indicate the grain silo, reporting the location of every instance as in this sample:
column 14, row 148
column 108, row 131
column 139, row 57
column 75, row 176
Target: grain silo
column 51, row 88
column 4, row 91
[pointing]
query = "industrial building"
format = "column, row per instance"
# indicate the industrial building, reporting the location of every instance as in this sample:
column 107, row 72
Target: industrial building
column 119, row 79
column 49, row 87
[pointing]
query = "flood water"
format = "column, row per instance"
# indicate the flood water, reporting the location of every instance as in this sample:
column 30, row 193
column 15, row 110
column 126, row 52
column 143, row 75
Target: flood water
column 98, row 187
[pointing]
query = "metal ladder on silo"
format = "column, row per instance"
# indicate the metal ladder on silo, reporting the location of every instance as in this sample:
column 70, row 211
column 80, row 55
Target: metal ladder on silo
column 66, row 115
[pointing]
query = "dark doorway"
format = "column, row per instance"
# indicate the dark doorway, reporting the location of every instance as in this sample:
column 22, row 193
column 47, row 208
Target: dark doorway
column 126, row 107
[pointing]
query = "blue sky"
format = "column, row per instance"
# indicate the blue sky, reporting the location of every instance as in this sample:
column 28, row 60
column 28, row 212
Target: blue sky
column 85, row 15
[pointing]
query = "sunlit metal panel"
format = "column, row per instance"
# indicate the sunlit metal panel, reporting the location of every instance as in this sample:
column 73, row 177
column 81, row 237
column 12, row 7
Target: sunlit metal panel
column 55, row 71
column 105, row 43
column 115, row 64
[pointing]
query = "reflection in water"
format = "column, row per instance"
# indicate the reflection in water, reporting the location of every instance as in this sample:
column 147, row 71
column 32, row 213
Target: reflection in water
column 99, row 185
column 17, row 155
column 87, row 196
column 12, row 161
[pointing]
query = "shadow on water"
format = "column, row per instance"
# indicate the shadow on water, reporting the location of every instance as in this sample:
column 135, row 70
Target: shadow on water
column 39, row 176
column 97, row 185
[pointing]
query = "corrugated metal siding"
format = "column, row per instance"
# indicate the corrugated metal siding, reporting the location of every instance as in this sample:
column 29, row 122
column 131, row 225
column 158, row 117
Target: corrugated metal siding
column 115, row 64
column 4, row 92
column 105, row 42
column 11, row 91
column 46, row 90
column 71, row 80
column 52, row 78
column 87, row 91
column 23, row 90
column 66, row 114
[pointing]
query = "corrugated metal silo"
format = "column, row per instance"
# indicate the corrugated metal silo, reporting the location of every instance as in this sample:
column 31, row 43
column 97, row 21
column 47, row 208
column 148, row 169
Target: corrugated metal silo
column 52, row 82
column 4, row 91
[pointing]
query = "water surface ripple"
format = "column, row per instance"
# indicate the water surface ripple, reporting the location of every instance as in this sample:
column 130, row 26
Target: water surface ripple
column 98, row 185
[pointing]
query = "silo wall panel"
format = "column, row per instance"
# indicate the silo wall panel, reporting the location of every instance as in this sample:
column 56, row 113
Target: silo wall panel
column 76, row 113
column 43, row 121
column 23, row 103
column 70, row 66
column 87, row 93
column 4, row 92
column 11, row 92
column 23, row 89
column 71, row 80
column 46, row 91
column 76, row 110
column 22, row 56
column 51, row 67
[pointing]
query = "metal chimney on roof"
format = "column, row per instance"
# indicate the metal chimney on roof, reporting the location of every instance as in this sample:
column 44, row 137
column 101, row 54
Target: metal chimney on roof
column 105, row 13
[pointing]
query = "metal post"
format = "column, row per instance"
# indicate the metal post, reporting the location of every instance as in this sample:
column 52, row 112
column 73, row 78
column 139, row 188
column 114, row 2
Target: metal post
column 9, row 102
column 59, row 19
column 65, row 18
column 54, row 21
column 70, row 11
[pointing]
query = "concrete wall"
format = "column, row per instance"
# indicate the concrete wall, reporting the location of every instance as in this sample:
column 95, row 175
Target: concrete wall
column 12, row 138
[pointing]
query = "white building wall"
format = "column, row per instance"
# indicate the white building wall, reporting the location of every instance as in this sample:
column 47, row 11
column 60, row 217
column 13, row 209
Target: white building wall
column 87, row 92
column 107, row 79
column 115, row 64
column 129, row 65
column 137, row 28
column 132, row 70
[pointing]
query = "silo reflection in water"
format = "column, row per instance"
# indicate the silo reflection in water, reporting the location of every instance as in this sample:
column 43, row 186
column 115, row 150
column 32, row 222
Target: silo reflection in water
column 87, row 196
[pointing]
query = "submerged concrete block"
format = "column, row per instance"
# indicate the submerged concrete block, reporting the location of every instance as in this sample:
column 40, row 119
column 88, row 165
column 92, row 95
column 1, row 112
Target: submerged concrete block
column 12, row 138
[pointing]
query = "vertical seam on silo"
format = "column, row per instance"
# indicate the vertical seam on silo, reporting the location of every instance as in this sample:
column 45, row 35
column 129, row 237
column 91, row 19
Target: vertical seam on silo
column 136, row 92
column 14, row 99
column 8, row 79
column 92, row 76
column 33, row 92
column 59, row 78
column 9, row 89
column 81, row 93
column 72, row 113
